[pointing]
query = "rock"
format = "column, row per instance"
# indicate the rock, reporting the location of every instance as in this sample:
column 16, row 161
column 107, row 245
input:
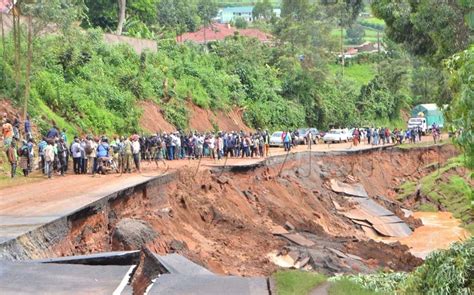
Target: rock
column 289, row 226
column 132, row 234
column 249, row 196
column 176, row 245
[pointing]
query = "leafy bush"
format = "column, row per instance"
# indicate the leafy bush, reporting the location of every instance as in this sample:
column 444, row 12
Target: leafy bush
column 446, row 272
column 385, row 283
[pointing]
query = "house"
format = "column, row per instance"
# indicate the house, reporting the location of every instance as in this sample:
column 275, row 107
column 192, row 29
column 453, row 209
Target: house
column 366, row 47
column 218, row 32
column 228, row 14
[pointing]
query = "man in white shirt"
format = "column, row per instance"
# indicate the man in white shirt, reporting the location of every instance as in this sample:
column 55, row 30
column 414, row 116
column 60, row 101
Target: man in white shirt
column 136, row 153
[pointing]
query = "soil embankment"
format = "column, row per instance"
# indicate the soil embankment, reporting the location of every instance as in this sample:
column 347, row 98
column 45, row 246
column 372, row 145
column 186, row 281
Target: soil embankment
column 228, row 221
column 201, row 120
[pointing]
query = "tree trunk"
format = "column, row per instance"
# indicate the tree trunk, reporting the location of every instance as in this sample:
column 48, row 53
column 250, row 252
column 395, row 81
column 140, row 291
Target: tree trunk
column 17, row 49
column 122, row 5
column 28, row 67
column 3, row 39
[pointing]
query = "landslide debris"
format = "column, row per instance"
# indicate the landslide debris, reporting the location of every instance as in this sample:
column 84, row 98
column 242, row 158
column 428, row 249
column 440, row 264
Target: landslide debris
column 231, row 222
column 132, row 234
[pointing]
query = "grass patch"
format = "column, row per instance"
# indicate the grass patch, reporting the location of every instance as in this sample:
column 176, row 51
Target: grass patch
column 361, row 74
column 289, row 282
column 451, row 190
column 420, row 144
column 375, row 21
column 406, row 189
column 345, row 286
column 470, row 228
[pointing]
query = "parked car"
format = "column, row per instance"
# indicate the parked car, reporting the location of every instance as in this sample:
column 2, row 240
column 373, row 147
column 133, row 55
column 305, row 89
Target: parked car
column 302, row 137
column 336, row 135
column 275, row 139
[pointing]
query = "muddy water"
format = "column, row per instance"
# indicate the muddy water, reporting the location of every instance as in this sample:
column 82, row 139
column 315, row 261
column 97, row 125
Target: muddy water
column 439, row 231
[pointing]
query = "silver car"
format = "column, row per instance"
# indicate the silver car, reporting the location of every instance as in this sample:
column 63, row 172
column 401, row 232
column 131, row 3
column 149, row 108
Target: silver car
column 275, row 139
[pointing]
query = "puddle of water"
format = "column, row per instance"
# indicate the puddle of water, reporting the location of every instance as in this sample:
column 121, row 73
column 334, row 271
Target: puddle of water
column 439, row 231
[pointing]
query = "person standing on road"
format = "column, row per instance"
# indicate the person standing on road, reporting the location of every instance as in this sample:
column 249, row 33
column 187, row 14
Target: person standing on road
column 103, row 152
column 286, row 136
column 127, row 156
column 62, row 156
column 76, row 155
column 24, row 154
column 7, row 132
column 88, row 150
column 136, row 153
column 355, row 137
column 376, row 136
column 382, row 135
column 31, row 154
column 41, row 146
column 369, row 135
column 49, row 158
column 12, row 157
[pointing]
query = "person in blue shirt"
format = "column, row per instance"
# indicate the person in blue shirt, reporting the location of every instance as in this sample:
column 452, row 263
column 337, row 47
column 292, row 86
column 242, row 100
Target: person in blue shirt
column 102, row 154
column 28, row 133
column 41, row 146
column 64, row 135
column 53, row 133
column 103, row 149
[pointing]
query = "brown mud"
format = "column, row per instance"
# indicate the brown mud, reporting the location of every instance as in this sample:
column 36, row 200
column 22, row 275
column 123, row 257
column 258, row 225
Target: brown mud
column 202, row 120
column 227, row 222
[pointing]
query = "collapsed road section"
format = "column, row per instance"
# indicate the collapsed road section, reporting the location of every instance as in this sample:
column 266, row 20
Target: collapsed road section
column 315, row 211
column 131, row 272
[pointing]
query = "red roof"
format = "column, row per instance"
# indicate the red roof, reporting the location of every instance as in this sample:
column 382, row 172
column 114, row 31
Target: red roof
column 217, row 32
column 5, row 5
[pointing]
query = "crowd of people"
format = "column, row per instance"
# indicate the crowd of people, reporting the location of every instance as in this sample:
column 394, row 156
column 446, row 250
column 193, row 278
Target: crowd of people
column 381, row 136
column 97, row 154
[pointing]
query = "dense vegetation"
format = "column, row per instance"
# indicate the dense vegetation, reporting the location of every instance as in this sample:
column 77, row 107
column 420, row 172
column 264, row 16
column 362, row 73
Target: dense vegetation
column 448, row 271
column 84, row 84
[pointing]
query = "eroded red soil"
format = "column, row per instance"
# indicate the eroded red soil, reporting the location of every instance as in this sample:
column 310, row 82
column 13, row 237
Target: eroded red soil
column 225, row 221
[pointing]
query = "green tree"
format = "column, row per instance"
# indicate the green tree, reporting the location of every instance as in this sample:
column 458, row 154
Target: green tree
column 207, row 10
column 429, row 28
column 355, row 33
column 263, row 10
column 461, row 110
column 101, row 13
column 428, row 84
column 240, row 23
column 296, row 9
